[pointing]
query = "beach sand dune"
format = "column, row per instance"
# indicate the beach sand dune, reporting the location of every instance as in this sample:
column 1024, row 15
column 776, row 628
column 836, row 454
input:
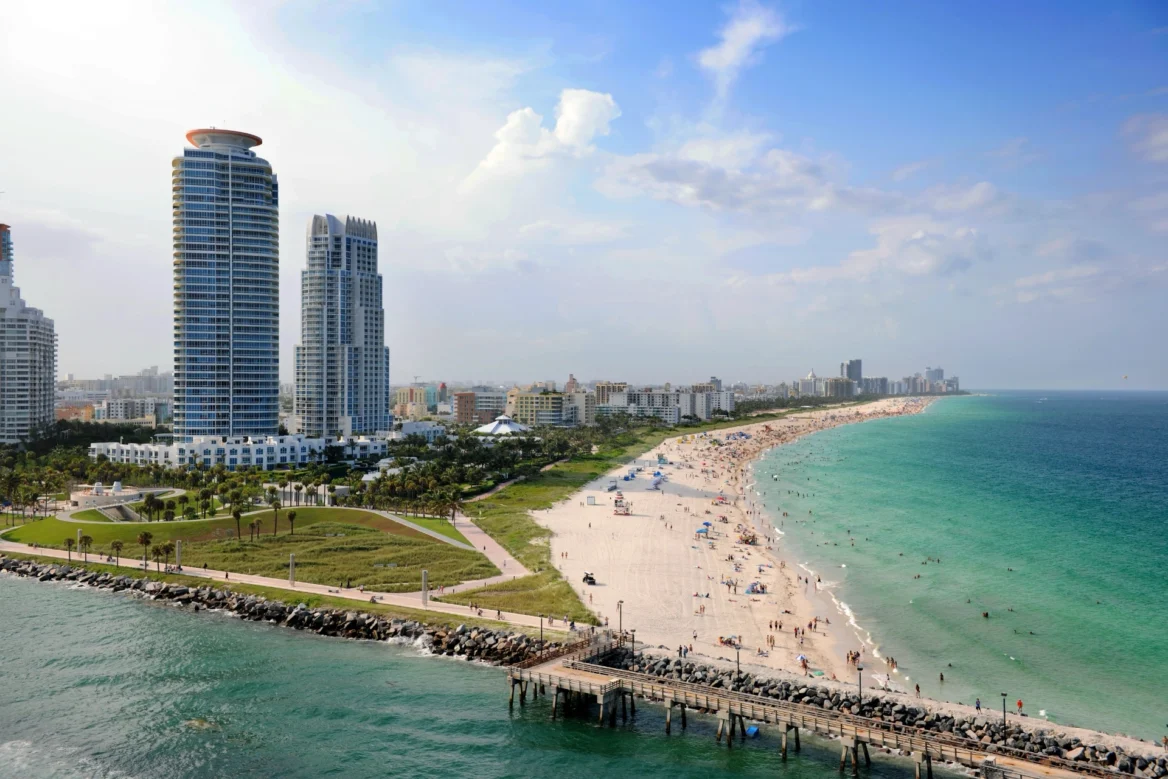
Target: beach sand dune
column 676, row 586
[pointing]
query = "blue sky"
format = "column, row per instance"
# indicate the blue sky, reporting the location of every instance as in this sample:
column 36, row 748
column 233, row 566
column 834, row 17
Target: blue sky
column 645, row 191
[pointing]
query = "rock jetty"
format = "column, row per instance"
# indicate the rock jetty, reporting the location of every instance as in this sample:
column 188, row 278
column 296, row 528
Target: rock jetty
column 474, row 643
column 1038, row 739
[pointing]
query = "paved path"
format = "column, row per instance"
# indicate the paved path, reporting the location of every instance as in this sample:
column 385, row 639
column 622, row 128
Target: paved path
column 508, row 566
column 411, row 600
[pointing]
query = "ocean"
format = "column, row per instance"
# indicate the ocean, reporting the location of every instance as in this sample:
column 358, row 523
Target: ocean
column 1046, row 510
column 100, row 685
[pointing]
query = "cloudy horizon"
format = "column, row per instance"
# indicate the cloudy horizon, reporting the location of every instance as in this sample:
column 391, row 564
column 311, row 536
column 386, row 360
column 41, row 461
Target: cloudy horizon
column 654, row 193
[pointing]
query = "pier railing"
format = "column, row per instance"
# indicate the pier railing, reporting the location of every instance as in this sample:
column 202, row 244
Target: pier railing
column 893, row 735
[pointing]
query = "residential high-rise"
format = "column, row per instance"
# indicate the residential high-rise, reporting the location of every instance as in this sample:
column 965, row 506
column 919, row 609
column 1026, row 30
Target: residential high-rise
column 28, row 357
column 852, row 369
column 935, row 374
column 226, row 288
column 342, row 363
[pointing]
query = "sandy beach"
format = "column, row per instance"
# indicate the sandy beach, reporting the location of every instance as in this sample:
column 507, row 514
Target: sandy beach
column 681, row 587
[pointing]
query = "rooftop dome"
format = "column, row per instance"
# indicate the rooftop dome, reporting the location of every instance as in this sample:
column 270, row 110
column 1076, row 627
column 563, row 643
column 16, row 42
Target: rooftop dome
column 503, row 425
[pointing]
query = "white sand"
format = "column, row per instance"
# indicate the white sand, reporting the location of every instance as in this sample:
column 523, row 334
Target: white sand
column 655, row 566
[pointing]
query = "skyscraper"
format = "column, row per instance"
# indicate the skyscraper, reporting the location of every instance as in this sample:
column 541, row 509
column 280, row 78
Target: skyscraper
column 852, row 370
column 342, row 363
column 28, row 357
column 226, row 288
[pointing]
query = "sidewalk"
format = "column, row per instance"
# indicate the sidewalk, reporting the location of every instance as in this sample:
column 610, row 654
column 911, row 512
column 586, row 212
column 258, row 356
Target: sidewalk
column 411, row 600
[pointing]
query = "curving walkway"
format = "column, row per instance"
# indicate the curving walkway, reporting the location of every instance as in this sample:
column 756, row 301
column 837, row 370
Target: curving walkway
column 410, row 600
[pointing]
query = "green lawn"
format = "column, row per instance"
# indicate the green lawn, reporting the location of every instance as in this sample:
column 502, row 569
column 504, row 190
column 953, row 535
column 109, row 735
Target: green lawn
column 547, row 591
column 438, row 525
column 332, row 545
column 326, row 601
column 91, row 515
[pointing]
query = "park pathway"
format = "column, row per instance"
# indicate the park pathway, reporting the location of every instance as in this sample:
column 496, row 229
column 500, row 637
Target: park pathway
column 411, row 600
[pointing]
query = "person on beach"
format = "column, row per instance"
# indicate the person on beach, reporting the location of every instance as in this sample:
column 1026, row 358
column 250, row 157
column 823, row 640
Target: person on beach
column 977, row 705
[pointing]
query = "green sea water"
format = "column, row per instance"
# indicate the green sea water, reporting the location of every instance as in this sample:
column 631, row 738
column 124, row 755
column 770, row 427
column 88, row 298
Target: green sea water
column 1048, row 510
column 100, row 685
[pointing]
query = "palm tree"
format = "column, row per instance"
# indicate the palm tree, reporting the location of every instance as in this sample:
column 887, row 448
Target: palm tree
column 69, row 542
column 85, row 543
column 236, row 514
column 292, row 522
column 156, row 553
column 144, row 539
column 251, row 530
column 275, row 504
column 116, row 546
column 167, row 551
column 297, row 488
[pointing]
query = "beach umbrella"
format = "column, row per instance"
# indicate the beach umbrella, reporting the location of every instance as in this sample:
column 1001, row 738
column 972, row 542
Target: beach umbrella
column 801, row 658
column 707, row 523
column 702, row 530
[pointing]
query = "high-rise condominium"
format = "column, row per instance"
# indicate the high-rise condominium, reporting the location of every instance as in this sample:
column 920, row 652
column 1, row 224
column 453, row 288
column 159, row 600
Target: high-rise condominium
column 852, row 369
column 342, row 363
column 226, row 288
column 28, row 357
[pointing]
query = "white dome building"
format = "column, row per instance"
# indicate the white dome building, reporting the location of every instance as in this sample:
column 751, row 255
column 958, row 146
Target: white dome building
column 503, row 425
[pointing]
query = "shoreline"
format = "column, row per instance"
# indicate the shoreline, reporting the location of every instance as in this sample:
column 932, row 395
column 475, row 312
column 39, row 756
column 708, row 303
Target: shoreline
column 649, row 564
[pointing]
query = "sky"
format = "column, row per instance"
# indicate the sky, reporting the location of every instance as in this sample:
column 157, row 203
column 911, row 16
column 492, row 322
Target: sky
column 646, row 191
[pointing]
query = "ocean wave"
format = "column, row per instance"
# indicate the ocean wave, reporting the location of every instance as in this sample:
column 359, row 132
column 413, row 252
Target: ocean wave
column 32, row 761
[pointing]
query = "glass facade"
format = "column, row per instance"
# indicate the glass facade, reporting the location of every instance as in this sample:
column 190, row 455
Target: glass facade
column 28, row 358
column 226, row 288
column 342, row 363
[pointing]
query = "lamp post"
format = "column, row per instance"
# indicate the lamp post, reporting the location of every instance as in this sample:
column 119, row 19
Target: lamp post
column 1003, row 710
column 541, row 632
column 738, row 661
column 860, row 682
column 634, row 632
column 620, row 619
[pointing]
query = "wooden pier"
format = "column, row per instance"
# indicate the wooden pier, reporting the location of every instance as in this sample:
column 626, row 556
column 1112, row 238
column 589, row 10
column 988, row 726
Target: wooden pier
column 575, row 678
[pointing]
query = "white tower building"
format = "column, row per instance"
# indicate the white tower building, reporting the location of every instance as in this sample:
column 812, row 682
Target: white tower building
column 28, row 357
column 342, row 362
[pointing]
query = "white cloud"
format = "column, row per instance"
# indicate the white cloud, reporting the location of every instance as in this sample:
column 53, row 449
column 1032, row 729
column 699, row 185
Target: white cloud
column 573, row 233
column 1014, row 153
column 778, row 181
column 1148, row 136
column 906, row 246
column 750, row 27
column 909, row 170
column 951, row 200
column 1058, row 275
column 523, row 142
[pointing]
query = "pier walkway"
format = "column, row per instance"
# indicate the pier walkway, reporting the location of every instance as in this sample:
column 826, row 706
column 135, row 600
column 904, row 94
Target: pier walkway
column 575, row 677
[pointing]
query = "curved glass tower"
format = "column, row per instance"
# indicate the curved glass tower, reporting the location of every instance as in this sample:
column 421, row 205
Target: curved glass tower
column 28, row 358
column 226, row 288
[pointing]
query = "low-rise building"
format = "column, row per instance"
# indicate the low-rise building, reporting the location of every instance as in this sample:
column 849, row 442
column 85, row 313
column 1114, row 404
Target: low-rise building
column 235, row 452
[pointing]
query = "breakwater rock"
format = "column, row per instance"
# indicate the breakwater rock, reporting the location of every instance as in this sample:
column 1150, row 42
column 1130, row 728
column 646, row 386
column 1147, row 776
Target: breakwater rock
column 474, row 643
column 1038, row 740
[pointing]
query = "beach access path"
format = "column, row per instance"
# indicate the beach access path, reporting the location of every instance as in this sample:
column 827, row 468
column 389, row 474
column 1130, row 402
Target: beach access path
column 656, row 574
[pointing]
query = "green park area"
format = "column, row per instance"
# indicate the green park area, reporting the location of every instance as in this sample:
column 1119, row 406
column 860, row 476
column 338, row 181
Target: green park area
column 333, row 546
column 312, row 601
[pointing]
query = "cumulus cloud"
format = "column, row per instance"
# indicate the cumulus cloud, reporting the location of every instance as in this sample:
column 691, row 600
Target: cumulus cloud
column 981, row 195
column 909, row 170
column 721, row 176
column 908, row 246
column 1148, row 136
column 751, row 26
column 523, row 142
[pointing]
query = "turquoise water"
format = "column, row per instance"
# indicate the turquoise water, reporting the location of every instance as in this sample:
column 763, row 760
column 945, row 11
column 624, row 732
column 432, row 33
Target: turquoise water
column 95, row 684
column 1069, row 490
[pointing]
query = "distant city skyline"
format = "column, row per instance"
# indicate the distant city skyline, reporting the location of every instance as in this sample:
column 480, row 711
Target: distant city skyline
column 742, row 191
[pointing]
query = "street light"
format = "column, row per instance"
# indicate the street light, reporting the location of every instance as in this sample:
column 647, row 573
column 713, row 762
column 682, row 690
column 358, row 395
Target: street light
column 634, row 632
column 738, row 660
column 620, row 619
column 541, row 632
column 1003, row 710
column 860, row 682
